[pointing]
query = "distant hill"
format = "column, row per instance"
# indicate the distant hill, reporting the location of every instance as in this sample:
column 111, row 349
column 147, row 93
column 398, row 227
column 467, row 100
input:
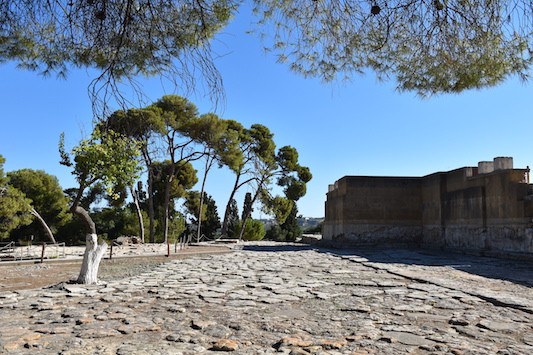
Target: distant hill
column 309, row 222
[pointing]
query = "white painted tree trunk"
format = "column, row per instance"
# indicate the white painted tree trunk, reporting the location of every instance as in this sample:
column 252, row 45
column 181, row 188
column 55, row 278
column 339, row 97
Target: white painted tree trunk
column 91, row 260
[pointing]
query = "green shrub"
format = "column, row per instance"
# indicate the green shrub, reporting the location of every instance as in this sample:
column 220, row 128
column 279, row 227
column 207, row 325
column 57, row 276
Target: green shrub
column 255, row 230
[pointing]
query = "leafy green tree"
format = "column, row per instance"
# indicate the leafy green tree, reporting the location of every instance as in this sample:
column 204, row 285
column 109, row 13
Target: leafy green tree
column 293, row 178
column 109, row 158
column 179, row 116
column 173, row 123
column 275, row 233
column 290, row 228
column 72, row 233
column 111, row 221
column 93, row 194
column 247, row 207
column 184, row 179
column 233, row 220
column 115, row 220
column 288, row 173
column 211, row 224
column 257, row 148
column 120, row 39
column 220, row 145
column 131, row 226
column 177, row 225
column 209, row 214
column 279, row 206
column 254, row 230
column 428, row 46
column 317, row 229
column 144, row 126
column 49, row 203
column 15, row 208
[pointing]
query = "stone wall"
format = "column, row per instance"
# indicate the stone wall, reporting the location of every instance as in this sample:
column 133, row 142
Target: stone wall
column 373, row 210
column 461, row 209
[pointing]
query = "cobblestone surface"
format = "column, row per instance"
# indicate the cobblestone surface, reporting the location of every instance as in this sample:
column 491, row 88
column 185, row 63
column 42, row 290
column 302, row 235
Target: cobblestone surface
column 288, row 299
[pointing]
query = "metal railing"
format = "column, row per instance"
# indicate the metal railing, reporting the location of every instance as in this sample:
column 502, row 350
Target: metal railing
column 12, row 251
column 7, row 249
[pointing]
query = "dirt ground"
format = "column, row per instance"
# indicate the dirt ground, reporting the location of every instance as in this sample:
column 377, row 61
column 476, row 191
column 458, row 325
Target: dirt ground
column 30, row 275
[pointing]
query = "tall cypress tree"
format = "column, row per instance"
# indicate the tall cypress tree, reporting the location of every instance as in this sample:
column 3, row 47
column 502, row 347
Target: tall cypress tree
column 233, row 220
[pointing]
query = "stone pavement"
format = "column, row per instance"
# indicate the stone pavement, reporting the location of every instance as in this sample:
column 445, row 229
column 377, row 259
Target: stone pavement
column 287, row 299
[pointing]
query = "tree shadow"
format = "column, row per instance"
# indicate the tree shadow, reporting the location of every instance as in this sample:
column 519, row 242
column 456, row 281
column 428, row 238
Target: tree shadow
column 281, row 247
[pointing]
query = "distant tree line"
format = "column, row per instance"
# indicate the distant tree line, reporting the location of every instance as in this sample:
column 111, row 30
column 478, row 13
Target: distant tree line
column 136, row 175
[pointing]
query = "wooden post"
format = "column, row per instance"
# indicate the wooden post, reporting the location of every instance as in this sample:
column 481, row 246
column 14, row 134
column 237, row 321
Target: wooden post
column 42, row 253
column 168, row 249
column 111, row 252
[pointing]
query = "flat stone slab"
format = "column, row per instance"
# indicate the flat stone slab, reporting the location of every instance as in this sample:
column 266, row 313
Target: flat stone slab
column 407, row 338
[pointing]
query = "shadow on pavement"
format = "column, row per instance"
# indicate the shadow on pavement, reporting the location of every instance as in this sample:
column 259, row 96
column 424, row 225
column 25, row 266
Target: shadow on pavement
column 281, row 247
column 516, row 271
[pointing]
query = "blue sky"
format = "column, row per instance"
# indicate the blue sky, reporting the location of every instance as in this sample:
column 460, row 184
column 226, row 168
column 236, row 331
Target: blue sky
column 364, row 127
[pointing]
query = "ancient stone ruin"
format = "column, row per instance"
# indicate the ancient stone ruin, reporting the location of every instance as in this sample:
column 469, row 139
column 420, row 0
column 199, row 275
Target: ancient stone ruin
column 483, row 209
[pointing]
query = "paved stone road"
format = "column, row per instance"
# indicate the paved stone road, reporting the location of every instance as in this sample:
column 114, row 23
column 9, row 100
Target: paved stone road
column 268, row 299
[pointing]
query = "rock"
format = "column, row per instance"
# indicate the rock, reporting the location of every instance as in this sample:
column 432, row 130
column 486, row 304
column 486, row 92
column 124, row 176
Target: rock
column 84, row 320
column 413, row 308
column 176, row 309
column 240, row 304
column 74, row 288
column 272, row 300
column 125, row 240
column 499, row 327
column 19, row 338
column 225, row 345
column 358, row 309
column 459, row 321
column 217, row 331
column 99, row 332
column 328, row 344
column 311, row 239
column 292, row 341
column 407, row 338
column 201, row 324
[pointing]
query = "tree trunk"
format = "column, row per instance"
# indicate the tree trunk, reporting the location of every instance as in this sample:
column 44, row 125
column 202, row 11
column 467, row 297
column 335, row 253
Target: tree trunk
column 93, row 252
column 166, row 207
column 47, row 229
column 91, row 260
column 151, row 212
column 199, row 231
column 208, row 164
column 135, row 195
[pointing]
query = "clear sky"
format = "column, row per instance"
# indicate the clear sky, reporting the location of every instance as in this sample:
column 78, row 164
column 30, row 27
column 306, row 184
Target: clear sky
column 363, row 127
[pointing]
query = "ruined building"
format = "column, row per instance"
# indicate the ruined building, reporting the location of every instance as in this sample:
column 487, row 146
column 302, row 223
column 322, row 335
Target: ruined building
column 488, row 208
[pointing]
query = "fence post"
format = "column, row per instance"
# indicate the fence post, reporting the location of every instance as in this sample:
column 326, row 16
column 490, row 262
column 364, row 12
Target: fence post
column 168, row 249
column 42, row 253
column 111, row 252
